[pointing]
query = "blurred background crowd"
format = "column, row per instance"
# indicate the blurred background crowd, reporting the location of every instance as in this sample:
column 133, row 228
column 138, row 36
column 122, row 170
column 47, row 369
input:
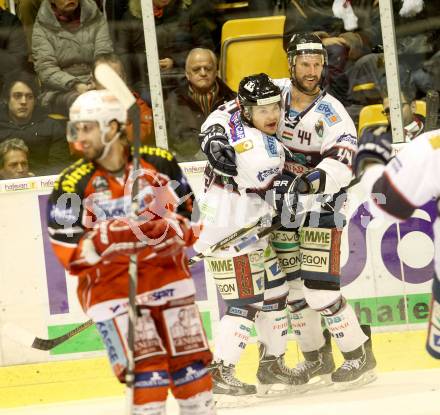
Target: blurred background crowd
column 50, row 47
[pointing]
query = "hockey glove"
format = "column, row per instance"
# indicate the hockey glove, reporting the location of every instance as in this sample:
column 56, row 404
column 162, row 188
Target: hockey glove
column 373, row 148
column 284, row 192
column 221, row 155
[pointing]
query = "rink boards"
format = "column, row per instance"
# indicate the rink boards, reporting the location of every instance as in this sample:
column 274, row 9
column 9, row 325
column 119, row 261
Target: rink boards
column 386, row 273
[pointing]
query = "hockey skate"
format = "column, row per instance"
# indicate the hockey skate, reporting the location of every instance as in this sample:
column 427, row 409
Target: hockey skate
column 230, row 392
column 274, row 377
column 358, row 367
column 318, row 366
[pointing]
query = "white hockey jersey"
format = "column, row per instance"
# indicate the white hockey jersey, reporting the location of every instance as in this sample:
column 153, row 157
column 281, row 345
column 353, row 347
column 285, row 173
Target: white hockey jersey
column 322, row 136
column 408, row 181
column 226, row 206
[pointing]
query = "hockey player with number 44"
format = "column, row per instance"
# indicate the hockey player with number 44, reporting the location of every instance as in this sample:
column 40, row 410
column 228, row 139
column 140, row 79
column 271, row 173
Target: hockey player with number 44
column 244, row 156
column 320, row 134
column 93, row 234
column 396, row 187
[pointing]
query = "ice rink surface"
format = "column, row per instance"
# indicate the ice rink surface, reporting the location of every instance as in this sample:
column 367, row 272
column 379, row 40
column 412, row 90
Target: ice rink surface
column 394, row 393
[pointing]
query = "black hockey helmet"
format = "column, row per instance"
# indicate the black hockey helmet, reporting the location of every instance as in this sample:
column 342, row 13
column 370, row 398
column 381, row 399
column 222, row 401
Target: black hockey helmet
column 306, row 44
column 258, row 90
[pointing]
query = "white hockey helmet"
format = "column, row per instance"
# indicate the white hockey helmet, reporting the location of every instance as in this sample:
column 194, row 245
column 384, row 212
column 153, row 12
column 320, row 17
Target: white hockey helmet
column 99, row 106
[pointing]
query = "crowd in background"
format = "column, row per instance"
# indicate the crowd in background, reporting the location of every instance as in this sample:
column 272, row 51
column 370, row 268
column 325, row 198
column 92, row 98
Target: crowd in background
column 49, row 50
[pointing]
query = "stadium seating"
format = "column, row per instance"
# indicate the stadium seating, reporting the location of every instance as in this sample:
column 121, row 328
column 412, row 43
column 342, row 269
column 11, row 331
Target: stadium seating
column 371, row 115
column 251, row 46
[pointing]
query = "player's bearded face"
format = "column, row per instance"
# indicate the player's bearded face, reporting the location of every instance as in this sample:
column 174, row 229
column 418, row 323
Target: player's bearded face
column 88, row 139
column 308, row 72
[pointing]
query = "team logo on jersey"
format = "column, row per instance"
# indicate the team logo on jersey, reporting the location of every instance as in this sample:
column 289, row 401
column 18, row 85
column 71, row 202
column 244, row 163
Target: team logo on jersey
column 63, row 216
column 319, row 128
column 244, row 146
column 262, row 175
column 271, row 145
column 326, row 109
column 347, row 138
column 237, row 129
column 100, row 184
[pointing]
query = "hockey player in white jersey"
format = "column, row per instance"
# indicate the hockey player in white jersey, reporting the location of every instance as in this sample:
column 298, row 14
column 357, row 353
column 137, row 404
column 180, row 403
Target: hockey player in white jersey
column 398, row 188
column 244, row 157
column 322, row 137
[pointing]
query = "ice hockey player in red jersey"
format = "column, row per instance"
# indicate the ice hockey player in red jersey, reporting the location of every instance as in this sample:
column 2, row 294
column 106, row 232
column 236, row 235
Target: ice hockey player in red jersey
column 92, row 235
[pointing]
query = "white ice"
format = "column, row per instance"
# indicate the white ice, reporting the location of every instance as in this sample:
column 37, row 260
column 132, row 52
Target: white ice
column 394, row 393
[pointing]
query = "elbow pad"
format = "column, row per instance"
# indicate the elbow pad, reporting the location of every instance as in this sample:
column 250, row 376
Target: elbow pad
column 312, row 182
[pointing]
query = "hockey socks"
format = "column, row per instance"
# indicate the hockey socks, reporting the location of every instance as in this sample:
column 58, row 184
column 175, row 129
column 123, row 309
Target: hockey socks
column 271, row 329
column 345, row 329
column 306, row 326
column 233, row 336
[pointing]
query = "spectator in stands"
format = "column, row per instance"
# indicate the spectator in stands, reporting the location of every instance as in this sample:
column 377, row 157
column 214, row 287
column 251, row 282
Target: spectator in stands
column 13, row 48
column 14, row 159
column 189, row 105
column 418, row 46
column 67, row 36
column 180, row 26
column 413, row 122
column 147, row 130
column 27, row 11
column 21, row 117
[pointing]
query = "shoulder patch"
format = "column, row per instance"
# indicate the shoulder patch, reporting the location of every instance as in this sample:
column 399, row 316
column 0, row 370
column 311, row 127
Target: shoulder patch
column 435, row 142
column 236, row 126
column 331, row 117
column 70, row 177
column 243, row 146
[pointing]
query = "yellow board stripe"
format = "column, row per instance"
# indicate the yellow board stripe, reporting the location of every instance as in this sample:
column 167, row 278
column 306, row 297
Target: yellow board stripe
column 92, row 378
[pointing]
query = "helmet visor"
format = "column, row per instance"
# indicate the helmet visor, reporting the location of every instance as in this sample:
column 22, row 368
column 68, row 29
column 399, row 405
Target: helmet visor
column 75, row 128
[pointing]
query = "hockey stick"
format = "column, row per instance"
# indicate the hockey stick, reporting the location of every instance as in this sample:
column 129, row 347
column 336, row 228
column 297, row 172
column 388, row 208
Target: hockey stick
column 228, row 240
column 111, row 80
column 28, row 339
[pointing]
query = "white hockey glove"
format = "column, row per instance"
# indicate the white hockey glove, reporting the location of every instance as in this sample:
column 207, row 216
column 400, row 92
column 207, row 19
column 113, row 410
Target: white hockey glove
column 221, row 155
column 372, row 149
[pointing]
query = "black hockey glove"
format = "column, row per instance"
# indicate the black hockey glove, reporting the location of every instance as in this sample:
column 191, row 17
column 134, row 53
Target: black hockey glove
column 284, row 192
column 221, row 155
column 373, row 148
column 287, row 187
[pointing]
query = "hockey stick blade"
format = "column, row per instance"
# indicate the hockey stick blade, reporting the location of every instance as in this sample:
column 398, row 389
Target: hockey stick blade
column 113, row 82
column 48, row 344
column 25, row 338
